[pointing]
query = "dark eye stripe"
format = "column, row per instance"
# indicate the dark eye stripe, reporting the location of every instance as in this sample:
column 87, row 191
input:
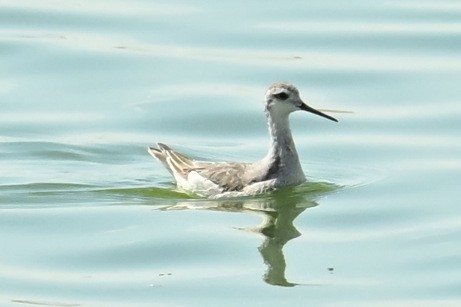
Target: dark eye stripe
column 281, row 96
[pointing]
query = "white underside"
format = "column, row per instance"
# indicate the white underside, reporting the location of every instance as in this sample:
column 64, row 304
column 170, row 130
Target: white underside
column 206, row 188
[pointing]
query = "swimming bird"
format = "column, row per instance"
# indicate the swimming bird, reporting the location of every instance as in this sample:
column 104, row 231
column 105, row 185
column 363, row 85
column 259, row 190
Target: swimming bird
column 279, row 168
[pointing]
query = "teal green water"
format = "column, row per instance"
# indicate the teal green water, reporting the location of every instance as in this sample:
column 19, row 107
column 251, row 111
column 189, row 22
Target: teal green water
column 88, row 218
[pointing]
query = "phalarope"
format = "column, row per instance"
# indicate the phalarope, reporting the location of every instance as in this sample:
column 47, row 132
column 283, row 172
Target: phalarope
column 280, row 167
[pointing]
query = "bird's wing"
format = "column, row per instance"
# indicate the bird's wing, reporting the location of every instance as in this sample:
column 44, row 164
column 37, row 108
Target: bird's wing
column 229, row 176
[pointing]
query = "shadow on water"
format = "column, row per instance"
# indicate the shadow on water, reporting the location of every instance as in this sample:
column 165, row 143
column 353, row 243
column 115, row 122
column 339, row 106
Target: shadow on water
column 278, row 210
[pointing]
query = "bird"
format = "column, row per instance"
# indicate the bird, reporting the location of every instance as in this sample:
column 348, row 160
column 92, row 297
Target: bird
column 279, row 168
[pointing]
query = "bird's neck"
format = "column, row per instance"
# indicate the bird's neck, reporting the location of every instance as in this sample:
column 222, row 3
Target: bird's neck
column 282, row 147
column 280, row 134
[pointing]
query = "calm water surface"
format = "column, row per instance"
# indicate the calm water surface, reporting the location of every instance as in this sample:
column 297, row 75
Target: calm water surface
column 88, row 218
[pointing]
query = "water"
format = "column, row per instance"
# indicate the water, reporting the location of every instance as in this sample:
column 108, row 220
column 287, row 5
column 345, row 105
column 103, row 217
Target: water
column 88, row 218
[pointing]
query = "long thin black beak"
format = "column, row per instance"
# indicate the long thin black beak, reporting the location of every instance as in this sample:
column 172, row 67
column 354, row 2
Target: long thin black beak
column 305, row 107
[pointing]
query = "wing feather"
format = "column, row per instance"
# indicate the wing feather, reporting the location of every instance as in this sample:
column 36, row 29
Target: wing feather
column 227, row 175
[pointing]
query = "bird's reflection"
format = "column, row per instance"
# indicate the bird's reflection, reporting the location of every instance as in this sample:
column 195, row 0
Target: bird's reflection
column 279, row 210
column 278, row 229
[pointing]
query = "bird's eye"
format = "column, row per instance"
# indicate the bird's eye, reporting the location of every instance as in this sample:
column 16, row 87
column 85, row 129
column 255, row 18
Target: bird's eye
column 281, row 96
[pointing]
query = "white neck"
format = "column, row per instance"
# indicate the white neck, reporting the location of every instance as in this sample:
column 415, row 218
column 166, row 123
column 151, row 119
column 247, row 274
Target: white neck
column 282, row 148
